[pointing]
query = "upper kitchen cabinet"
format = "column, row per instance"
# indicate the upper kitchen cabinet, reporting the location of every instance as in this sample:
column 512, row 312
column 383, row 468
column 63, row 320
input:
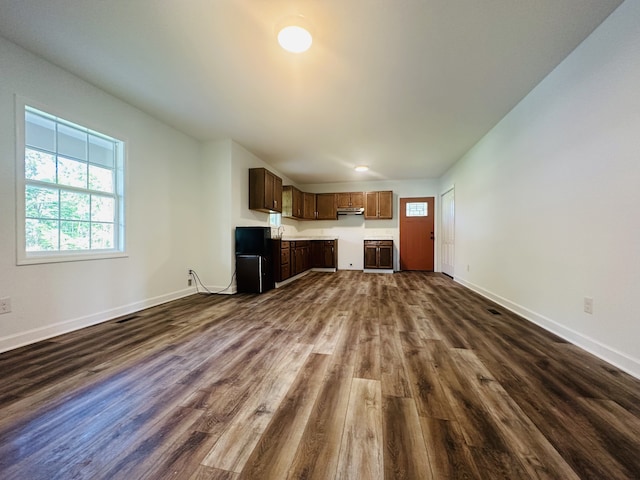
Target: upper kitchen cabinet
column 326, row 208
column 265, row 191
column 309, row 206
column 350, row 199
column 378, row 205
column 292, row 202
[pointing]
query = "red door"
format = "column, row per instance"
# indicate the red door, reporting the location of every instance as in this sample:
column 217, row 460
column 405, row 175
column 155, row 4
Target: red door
column 416, row 233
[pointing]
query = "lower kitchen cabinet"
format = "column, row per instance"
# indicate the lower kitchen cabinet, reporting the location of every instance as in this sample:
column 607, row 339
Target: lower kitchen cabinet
column 324, row 254
column 378, row 254
column 297, row 256
column 300, row 256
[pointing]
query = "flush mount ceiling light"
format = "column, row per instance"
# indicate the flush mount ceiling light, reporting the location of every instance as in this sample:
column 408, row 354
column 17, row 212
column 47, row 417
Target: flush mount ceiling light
column 361, row 168
column 294, row 35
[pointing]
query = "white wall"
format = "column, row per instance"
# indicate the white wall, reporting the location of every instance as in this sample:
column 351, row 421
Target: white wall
column 547, row 202
column 351, row 230
column 225, row 186
column 163, row 221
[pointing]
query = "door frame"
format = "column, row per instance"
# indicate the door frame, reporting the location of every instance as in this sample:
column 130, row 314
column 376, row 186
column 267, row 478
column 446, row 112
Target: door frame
column 441, row 249
column 436, row 216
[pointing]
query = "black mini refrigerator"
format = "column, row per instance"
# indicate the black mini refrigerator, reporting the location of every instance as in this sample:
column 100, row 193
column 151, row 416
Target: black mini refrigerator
column 254, row 270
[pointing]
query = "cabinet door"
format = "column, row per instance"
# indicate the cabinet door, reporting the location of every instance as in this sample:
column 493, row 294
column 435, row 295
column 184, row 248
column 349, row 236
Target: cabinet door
column 329, row 254
column 385, row 256
column 309, row 201
column 292, row 202
column 326, row 206
column 357, row 199
column 269, row 189
column 370, row 255
column 343, row 200
column 277, row 194
column 385, row 205
column 298, row 204
column 371, row 205
column 378, row 205
column 265, row 191
column 316, row 254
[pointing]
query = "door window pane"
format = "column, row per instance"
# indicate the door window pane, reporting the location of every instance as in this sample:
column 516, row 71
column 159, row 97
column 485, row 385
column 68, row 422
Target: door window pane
column 417, row 209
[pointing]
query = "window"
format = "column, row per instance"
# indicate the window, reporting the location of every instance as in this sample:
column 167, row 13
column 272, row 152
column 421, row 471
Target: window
column 417, row 209
column 275, row 219
column 72, row 200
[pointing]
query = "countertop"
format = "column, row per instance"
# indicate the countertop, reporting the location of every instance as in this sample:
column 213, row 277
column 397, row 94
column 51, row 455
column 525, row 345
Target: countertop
column 297, row 239
column 379, row 237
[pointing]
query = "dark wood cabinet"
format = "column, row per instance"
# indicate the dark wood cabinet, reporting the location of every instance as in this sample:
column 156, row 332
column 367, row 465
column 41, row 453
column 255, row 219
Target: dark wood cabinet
column 265, row 191
column 350, row 199
column 294, row 257
column 378, row 205
column 309, row 206
column 326, row 208
column 281, row 260
column 300, row 256
column 292, row 202
column 324, row 254
column 378, row 254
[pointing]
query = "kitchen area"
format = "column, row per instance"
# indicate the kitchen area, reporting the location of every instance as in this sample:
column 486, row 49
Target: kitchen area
column 321, row 231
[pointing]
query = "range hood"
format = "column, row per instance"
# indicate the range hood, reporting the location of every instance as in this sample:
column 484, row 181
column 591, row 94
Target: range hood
column 350, row 211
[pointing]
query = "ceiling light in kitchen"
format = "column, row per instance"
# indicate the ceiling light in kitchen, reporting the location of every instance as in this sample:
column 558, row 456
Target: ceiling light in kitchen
column 294, row 35
column 361, row 168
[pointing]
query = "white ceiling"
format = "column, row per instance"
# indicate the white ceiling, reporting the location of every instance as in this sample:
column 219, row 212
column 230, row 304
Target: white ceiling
column 404, row 86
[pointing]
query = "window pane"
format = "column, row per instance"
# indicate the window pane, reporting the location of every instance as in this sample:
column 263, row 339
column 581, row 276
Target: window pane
column 72, row 173
column 102, row 209
column 41, row 235
column 40, row 132
column 100, row 179
column 74, row 236
column 74, row 206
column 417, row 209
column 72, row 142
column 101, row 151
column 39, row 166
column 41, row 202
column 73, row 183
column 102, row 235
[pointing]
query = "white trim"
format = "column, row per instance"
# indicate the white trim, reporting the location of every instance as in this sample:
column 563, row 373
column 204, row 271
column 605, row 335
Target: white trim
column 291, row 279
column 39, row 334
column 30, row 258
column 619, row 359
column 378, row 270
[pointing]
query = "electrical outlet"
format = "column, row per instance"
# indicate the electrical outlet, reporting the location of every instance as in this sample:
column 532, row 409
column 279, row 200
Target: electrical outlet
column 5, row 305
column 588, row 305
column 189, row 277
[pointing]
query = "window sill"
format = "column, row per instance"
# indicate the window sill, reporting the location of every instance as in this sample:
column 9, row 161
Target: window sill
column 35, row 259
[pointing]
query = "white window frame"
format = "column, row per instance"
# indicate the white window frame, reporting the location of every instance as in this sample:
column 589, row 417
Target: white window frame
column 24, row 257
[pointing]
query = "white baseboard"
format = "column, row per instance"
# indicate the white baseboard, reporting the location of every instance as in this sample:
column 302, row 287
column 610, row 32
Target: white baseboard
column 38, row 334
column 291, row 279
column 619, row 359
column 377, row 270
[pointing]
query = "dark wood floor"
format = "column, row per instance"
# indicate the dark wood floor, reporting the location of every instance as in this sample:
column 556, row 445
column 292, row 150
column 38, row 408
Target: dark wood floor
column 346, row 375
